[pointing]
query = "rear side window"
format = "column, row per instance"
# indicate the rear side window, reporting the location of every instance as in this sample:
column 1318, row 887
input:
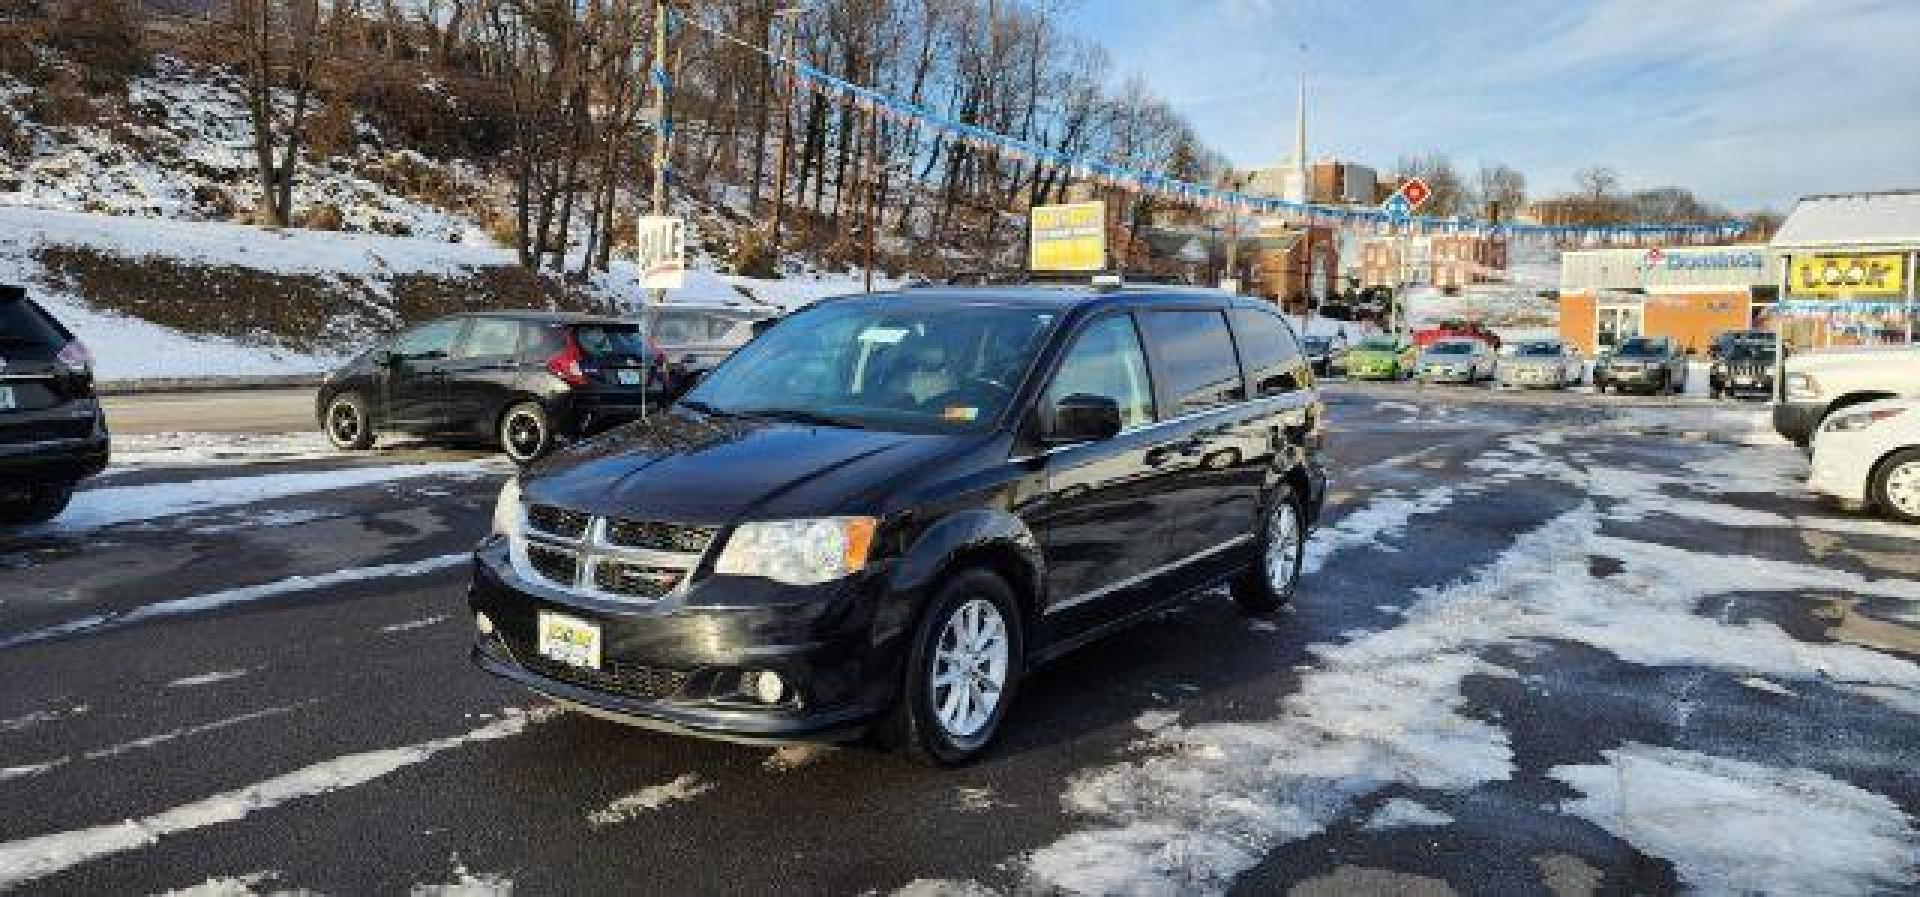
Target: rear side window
column 490, row 337
column 1196, row 363
column 1274, row 360
column 431, row 340
column 21, row 321
column 601, row 340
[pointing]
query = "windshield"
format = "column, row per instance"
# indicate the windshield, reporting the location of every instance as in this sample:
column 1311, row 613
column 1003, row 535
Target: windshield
column 1316, row 343
column 1452, row 348
column 1750, row 351
column 1378, row 344
column 671, row 326
column 1643, row 346
column 1539, row 350
column 882, row 365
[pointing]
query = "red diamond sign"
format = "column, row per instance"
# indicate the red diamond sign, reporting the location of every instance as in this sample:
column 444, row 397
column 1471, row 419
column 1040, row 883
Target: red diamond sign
column 1416, row 191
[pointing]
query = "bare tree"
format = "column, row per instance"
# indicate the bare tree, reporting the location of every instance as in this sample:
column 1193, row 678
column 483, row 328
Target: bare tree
column 281, row 41
column 1499, row 191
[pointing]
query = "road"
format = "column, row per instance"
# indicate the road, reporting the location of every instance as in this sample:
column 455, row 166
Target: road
column 216, row 411
column 1544, row 646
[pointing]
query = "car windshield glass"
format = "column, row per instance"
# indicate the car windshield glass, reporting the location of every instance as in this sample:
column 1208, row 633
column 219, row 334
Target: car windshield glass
column 1750, row 352
column 1316, row 343
column 1377, row 344
column 1642, row 346
column 677, row 326
column 883, row 365
column 1539, row 350
column 1451, row 348
column 600, row 340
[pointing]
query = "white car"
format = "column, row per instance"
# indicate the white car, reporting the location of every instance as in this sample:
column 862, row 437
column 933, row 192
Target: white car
column 1456, row 361
column 1546, row 363
column 1870, row 453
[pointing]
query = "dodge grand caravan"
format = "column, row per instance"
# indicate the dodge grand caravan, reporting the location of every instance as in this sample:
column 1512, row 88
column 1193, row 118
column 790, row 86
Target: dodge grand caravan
column 884, row 512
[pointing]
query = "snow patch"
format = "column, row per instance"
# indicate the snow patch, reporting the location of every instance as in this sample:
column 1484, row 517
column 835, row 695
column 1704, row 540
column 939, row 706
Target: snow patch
column 687, row 787
column 787, row 758
column 1400, row 812
column 225, row 886
column 1384, row 517
column 206, row 678
column 28, row 720
column 113, row 505
column 1734, row 827
column 467, row 884
column 415, row 624
column 8, row 773
column 1758, row 684
column 1155, row 720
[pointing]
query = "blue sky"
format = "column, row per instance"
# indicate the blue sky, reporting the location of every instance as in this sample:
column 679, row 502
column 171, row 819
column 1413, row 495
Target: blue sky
column 1749, row 103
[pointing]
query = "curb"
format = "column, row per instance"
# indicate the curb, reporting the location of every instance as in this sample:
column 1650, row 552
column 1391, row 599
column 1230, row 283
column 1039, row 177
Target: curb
column 156, row 385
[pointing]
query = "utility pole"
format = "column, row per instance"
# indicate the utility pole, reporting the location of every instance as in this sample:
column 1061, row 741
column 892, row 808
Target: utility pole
column 791, row 16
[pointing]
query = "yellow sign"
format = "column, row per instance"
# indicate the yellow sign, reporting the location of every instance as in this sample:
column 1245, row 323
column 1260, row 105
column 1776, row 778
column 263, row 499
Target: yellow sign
column 1071, row 237
column 1882, row 274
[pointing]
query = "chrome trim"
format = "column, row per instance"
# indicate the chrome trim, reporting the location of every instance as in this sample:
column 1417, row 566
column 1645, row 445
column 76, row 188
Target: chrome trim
column 1184, row 418
column 589, row 552
column 17, row 377
column 1137, row 578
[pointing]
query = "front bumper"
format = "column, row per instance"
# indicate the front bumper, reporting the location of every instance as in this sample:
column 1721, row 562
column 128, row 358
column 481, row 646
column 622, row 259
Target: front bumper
column 1634, row 378
column 1842, row 462
column 1796, row 420
column 1447, row 375
column 1533, row 379
column 675, row 665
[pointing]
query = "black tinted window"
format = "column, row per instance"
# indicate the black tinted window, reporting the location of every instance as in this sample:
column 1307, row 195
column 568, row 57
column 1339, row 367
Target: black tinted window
column 1273, row 358
column 600, row 340
column 489, row 337
column 1106, row 361
column 431, row 340
column 1197, row 364
column 23, row 322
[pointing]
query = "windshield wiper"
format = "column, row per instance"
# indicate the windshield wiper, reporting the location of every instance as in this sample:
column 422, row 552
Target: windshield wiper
column 799, row 416
column 707, row 409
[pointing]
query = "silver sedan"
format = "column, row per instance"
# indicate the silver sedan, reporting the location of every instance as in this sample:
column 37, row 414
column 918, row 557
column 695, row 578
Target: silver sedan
column 1456, row 361
column 1542, row 364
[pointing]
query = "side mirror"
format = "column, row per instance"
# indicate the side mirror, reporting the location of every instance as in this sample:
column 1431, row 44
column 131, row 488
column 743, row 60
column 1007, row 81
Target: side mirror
column 1084, row 418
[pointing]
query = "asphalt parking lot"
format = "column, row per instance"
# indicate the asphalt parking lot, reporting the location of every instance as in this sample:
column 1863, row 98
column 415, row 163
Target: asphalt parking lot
column 1548, row 643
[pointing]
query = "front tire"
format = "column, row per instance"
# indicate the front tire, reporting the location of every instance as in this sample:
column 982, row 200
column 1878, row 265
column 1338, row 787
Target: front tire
column 1269, row 584
column 963, row 671
column 525, row 432
column 349, row 427
column 43, row 503
column 1896, row 486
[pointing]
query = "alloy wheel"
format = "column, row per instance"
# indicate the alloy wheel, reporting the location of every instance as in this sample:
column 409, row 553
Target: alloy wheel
column 524, row 435
column 343, row 422
column 1903, row 488
column 1281, row 562
column 969, row 668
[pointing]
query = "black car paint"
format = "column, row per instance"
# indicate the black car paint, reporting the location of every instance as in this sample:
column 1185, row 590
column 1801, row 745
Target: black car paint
column 1670, row 359
column 464, row 397
column 59, row 434
column 1111, row 517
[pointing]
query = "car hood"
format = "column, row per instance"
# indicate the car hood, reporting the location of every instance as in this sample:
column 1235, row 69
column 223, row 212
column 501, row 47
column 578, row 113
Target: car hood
column 1373, row 355
column 685, row 467
column 1433, row 358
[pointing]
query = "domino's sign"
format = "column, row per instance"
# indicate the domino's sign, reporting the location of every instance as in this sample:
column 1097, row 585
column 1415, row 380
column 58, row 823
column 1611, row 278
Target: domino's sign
column 1705, row 259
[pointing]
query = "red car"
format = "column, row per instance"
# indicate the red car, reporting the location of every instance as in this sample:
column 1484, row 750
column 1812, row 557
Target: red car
column 1456, row 330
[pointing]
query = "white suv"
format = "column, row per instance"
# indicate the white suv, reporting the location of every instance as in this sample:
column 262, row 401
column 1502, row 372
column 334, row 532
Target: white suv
column 1870, row 454
column 1820, row 383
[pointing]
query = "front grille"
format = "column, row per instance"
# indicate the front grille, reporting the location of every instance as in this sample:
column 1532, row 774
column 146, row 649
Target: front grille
column 626, row 680
column 634, row 580
column 557, row 564
column 562, row 522
column 659, row 536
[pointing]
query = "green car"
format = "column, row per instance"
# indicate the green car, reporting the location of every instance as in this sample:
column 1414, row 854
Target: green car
column 1381, row 358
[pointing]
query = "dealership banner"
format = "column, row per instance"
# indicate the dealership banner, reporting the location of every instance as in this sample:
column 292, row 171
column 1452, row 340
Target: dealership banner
column 1071, row 237
column 1875, row 274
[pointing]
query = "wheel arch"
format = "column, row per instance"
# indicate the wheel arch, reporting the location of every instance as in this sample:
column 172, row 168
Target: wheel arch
column 1882, row 463
column 990, row 538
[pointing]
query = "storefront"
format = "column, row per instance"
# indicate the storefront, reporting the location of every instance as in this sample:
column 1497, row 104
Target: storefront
column 1846, row 266
column 1690, row 294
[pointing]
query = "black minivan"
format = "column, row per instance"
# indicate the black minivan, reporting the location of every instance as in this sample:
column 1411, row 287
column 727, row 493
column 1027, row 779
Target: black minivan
column 525, row 380
column 886, row 510
column 52, row 431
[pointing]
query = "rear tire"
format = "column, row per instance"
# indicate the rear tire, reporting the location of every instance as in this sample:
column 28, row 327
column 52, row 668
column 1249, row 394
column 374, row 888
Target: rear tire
column 1895, row 489
column 525, row 433
column 43, row 503
column 349, row 427
column 967, row 648
column 1269, row 583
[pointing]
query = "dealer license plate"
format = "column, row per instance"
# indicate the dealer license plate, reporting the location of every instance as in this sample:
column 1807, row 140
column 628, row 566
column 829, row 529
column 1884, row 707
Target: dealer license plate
column 570, row 641
column 7, row 401
column 627, row 377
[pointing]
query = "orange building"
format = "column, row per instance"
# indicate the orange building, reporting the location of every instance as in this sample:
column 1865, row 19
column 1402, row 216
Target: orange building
column 1688, row 293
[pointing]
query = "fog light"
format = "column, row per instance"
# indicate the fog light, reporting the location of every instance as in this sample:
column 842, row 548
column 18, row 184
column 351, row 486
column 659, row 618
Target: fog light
column 767, row 686
column 483, row 623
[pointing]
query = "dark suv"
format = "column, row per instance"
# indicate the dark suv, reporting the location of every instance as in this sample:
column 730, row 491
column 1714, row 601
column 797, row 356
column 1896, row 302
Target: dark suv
column 885, row 511
column 522, row 379
column 52, row 433
column 1649, row 364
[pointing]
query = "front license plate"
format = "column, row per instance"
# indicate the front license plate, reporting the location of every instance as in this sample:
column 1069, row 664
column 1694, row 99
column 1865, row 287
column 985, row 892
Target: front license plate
column 570, row 641
column 627, row 377
column 7, row 401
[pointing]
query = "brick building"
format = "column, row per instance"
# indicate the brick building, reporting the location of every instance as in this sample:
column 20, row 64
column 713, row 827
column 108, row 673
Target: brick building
column 1441, row 260
column 1296, row 265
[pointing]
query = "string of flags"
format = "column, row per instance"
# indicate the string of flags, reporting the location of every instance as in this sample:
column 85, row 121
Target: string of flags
column 1107, row 174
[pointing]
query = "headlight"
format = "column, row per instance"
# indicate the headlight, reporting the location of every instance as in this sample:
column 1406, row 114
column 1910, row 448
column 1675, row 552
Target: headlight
column 506, row 510
column 1844, row 423
column 798, row 552
column 1802, row 386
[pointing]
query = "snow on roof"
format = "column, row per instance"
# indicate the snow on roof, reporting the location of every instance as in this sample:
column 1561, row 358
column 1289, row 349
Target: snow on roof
column 1885, row 219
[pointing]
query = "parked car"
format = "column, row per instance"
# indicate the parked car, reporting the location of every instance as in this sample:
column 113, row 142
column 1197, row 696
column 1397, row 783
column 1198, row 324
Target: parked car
column 886, row 511
column 524, row 380
column 696, row 338
column 1453, row 330
column 1742, row 367
column 1649, row 364
column 1547, row 363
column 1327, row 354
column 1726, row 339
column 1870, row 454
column 1817, row 384
column 52, row 431
column 1381, row 358
column 1456, row 361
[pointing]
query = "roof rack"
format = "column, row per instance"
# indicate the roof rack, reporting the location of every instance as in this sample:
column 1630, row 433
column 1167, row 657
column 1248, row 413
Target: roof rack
column 1109, row 280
